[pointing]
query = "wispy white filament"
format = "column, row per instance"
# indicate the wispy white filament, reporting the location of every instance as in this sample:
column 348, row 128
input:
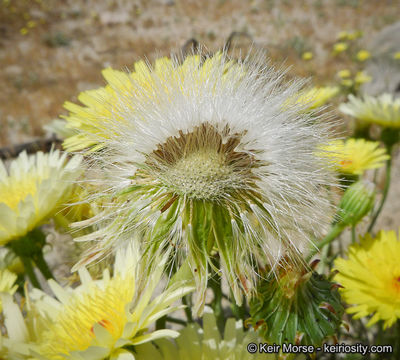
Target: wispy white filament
column 273, row 182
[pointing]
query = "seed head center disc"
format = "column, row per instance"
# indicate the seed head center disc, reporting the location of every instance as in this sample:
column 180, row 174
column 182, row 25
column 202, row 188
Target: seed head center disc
column 202, row 164
column 200, row 175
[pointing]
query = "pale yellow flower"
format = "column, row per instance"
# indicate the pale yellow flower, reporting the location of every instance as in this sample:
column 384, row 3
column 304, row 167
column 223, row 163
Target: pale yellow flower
column 7, row 283
column 383, row 110
column 32, row 191
column 99, row 317
column 15, row 336
column 362, row 77
column 347, row 82
column 10, row 261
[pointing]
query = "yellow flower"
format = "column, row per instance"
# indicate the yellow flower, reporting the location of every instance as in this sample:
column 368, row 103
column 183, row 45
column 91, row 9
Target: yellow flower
column 308, row 55
column 353, row 35
column 362, row 77
column 317, row 96
column 7, row 284
column 32, row 191
column 363, row 55
column 14, row 340
column 383, row 110
column 396, row 55
column 99, row 317
column 23, row 31
column 349, row 35
column 31, row 24
column 102, row 107
column 371, row 278
column 354, row 156
column 78, row 208
column 345, row 73
column 347, row 82
column 342, row 35
column 340, row 47
column 10, row 261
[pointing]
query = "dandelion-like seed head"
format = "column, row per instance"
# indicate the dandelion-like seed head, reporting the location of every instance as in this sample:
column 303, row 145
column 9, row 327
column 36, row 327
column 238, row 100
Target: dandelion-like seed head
column 203, row 164
column 206, row 155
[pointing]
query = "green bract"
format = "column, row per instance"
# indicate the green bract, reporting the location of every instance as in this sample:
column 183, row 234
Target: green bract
column 298, row 307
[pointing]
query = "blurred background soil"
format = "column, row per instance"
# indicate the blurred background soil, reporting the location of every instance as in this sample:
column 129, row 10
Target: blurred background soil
column 52, row 50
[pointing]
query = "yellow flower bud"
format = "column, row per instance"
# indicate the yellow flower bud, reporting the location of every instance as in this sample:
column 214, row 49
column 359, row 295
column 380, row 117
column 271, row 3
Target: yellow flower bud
column 340, row 47
column 363, row 55
column 345, row 73
column 308, row 55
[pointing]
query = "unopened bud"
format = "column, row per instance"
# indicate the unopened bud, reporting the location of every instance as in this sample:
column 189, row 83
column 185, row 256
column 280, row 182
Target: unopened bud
column 356, row 202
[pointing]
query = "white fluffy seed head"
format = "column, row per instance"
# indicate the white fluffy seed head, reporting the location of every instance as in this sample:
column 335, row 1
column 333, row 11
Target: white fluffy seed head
column 206, row 144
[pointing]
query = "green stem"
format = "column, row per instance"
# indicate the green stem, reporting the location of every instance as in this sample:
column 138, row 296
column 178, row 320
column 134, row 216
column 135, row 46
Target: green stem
column 397, row 336
column 238, row 311
column 176, row 321
column 30, row 272
column 188, row 310
column 42, row 265
column 215, row 285
column 335, row 231
column 324, row 259
column 161, row 323
column 385, row 190
column 353, row 234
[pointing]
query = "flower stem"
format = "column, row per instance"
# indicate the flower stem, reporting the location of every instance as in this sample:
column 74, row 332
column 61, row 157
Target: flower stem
column 215, row 285
column 353, row 234
column 42, row 265
column 161, row 323
column 176, row 321
column 385, row 190
column 238, row 311
column 27, row 262
column 397, row 336
column 333, row 233
column 188, row 310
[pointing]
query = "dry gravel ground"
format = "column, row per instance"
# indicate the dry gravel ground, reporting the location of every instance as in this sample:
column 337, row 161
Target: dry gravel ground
column 51, row 50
